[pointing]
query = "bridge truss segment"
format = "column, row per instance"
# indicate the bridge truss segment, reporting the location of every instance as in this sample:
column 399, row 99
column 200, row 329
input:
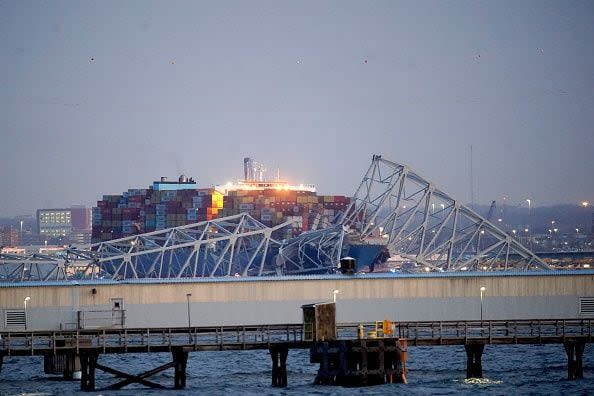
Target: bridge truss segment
column 423, row 224
column 235, row 245
column 317, row 251
column 32, row 267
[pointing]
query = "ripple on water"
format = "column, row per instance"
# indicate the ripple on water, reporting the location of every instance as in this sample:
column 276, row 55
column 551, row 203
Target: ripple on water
column 513, row 369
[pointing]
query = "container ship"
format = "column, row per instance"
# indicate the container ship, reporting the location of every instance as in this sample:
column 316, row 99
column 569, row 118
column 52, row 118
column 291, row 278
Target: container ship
column 167, row 204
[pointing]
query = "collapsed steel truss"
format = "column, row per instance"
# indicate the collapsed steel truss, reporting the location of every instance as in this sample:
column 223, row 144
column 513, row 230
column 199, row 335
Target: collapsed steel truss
column 236, row 245
column 31, row 267
column 421, row 223
column 313, row 251
column 393, row 205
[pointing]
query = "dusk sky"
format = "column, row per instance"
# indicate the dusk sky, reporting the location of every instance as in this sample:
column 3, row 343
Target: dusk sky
column 98, row 97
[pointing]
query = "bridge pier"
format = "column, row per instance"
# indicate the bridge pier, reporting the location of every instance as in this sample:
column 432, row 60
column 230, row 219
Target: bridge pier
column 180, row 360
column 575, row 353
column 360, row 362
column 279, row 354
column 66, row 363
column 88, row 364
column 474, row 366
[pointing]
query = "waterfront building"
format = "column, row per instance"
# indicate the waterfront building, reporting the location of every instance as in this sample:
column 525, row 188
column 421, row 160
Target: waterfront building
column 71, row 225
column 9, row 236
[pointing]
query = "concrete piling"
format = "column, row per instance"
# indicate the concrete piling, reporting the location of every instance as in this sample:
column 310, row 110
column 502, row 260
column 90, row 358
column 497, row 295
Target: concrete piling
column 360, row 362
column 88, row 363
column 575, row 353
column 279, row 354
column 474, row 366
column 180, row 359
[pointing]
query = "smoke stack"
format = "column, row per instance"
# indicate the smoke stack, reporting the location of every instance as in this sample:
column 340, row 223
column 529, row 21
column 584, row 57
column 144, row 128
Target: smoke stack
column 246, row 168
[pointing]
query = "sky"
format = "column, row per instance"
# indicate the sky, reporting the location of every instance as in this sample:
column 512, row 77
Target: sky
column 100, row 97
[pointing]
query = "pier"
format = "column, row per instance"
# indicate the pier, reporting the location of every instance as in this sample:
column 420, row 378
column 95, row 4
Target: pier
column 360, row 354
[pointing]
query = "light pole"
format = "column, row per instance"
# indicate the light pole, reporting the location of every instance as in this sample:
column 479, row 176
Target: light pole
column 483, row 289
column 27, row 299
column 529, row 222
column 189, row 318
column 334, row 293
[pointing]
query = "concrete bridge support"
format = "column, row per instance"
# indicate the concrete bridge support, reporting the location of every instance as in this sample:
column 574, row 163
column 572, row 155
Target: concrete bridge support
column 575, row 354
column 279, row 354
column 474, row 366
column 88, row 364
column 180, row 360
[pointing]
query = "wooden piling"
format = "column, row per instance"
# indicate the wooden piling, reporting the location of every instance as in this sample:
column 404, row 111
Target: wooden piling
column 474, row 366
column 575, row 353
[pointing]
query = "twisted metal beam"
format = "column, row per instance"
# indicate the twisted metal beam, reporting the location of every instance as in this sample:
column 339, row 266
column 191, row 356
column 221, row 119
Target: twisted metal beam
column 420, row 222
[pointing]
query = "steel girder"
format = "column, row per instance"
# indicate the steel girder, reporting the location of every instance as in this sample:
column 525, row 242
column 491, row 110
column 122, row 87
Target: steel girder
column 31, row 267
column 231, row 246
column 316, row 251
column 71, row 263
column 421, row 223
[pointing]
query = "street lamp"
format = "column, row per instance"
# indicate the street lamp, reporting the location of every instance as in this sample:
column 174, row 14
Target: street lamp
column 334, row 293
column 27, row 299
column 189, row 319
column 483, row 289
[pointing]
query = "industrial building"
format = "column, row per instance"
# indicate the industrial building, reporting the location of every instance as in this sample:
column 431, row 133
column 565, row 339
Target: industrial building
column 270, row 300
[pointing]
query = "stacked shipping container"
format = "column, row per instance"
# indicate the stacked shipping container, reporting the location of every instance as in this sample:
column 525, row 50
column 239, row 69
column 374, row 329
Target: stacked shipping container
column 275, row 206
column 144, row 210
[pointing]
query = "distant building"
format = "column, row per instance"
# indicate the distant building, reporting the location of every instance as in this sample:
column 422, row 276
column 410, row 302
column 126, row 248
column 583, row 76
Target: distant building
column 54, row 223
column 13, row 250
column 72, row 225
column 9, row 236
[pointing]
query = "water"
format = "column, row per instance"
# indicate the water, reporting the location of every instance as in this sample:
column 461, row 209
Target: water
column 508, row 370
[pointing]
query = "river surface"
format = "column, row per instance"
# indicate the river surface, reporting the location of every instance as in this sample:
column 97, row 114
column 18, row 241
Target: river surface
column 508, row 370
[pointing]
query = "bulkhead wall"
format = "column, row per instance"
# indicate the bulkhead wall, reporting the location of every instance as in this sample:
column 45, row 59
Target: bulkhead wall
column 247, row 301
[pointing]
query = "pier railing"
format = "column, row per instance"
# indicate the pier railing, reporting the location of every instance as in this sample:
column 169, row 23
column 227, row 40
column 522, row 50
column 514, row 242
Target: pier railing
column 262, row 337
column 534, row 331
column 150, row 339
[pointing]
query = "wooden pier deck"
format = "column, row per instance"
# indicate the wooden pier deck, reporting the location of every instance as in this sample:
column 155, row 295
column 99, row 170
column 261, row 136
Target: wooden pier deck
column 361, row 340
column 554, row 331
